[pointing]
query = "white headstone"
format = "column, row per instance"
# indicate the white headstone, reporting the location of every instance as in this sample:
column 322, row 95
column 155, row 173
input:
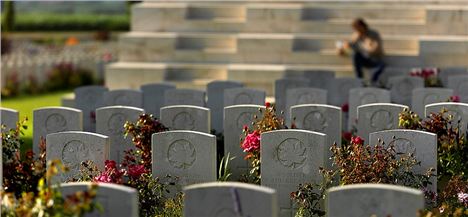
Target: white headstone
column 184, row 97
column 189, row 155
column 49, row 120
column 116, row 200
column 459, row 84
column 243, row 96
column 215, row 92
column 87, row 99
column 153, row 97
column 235, row 118
column 425, row 96
column 303, row 95
column 401, row 88
column 281, row 86
column 110, row 121
column 377, row 117
column 74, row 147
column 233, row 199
column 422, row 144
column 185, row 117
column 363, row 96
column 123, row 97
column 9, row 118
column 374, row 200
column 324, row 119
column 446, row 73
column 290, row 158
column 458, row 110
column 338, row 90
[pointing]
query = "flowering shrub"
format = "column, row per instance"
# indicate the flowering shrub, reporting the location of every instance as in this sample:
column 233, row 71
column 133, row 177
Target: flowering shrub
column 429, row 75
column 20, row 174
column 452, row 145
column 453, row 201
column 65, row 76
column 48, row 201
column 358, row 163
column 135, row 170
column 141, row 133
column 251, row 143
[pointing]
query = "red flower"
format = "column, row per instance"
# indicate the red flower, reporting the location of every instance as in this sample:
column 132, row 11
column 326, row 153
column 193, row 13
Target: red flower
column 347, row 136
column 345, row 107
column 110, row 164
column 357, row 140
column 455, row 98
column 267, row 104
column 245, row 128
column 135, row 171
column 251, row 142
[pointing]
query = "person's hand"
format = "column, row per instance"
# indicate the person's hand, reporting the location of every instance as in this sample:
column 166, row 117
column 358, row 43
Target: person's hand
column 346, row 45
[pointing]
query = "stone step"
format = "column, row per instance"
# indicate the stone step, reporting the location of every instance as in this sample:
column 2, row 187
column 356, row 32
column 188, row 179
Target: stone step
column 251, row 48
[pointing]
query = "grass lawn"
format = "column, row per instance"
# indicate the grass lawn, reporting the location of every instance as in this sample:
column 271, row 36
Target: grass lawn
column 26, row 104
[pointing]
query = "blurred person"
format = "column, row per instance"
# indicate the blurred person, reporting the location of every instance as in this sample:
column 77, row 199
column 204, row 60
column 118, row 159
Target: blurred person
column 367, row 47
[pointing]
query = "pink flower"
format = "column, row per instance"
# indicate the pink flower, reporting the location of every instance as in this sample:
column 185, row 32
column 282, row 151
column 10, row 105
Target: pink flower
column 463, row 198
column 454, row 98
column 251, row 142
column 357, row 140
column 103, row 178
column 135, row 171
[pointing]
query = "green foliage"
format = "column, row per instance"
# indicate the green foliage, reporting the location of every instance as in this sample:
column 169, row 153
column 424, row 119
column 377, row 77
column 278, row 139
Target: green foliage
column 173, row 207
column 8, row 18
column 356, row 163
column 71, row 22
column 452, row 145
column 48, row 200
column 224, row 172
column 20, row 174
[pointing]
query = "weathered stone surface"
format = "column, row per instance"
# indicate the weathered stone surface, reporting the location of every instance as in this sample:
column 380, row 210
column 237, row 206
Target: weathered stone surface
column 290, row 158
column 186, row 154
column 184, row 97
column 116, row 200
column 243, row 96
column 459, row 111
column 235, row 118
column 9, row 118
column 374, row 199
column 422, row 144
column 324, row 119
column 74, row 147
column 401, row 88
column 425, row 96
column 49, row 120
column 88, row 99
column 110, row 121
column 363, row 96
column 199, row 199
column 153, row 97
column 184, row 117
column 338, row 90
column 459, row 84
column 377, row 117
column 215, row 92
column 124, row 97
column 303, row 95
column 282, row 85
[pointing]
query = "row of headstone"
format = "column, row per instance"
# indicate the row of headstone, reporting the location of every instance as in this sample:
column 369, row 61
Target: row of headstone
column 240, row 199
column 152, row 97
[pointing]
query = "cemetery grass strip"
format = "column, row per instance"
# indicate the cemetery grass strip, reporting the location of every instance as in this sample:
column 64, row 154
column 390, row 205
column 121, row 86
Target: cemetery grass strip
column 26, row 104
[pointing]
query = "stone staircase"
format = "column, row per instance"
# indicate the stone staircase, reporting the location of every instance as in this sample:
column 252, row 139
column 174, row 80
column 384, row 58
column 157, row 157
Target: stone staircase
column 191, row 43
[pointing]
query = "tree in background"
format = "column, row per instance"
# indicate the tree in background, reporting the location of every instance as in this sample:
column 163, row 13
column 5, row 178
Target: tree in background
column 8, row 20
